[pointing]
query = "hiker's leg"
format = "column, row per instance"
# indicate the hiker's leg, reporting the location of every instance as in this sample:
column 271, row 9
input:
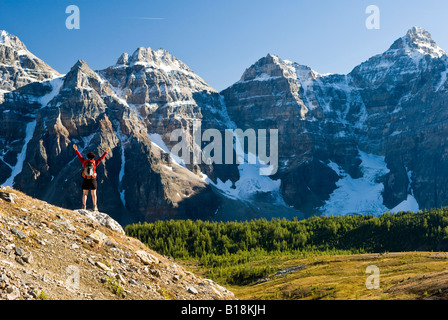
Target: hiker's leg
column 93, row 197
column 84, row 197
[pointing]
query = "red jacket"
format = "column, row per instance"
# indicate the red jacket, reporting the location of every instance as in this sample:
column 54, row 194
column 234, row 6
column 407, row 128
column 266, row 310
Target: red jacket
column 84, row 161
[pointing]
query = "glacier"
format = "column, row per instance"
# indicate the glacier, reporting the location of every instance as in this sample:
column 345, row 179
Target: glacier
column 410, row 204
column 358, row 196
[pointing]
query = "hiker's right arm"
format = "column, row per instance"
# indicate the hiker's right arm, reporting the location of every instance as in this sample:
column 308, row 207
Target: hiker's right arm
column 79, row 156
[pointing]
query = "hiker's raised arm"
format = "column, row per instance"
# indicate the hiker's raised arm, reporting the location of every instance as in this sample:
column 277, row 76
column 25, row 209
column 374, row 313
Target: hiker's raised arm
column 103, row 156
column 78, row 154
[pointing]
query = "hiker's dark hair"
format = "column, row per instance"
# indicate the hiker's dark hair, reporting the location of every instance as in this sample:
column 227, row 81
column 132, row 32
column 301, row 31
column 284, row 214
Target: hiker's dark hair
column 91, row 155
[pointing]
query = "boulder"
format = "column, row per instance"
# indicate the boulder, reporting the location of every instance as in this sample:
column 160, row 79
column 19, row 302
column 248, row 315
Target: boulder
column 103, row 219
column 146, row 257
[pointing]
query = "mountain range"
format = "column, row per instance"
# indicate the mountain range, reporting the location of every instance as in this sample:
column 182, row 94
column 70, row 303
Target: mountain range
column 367, row 142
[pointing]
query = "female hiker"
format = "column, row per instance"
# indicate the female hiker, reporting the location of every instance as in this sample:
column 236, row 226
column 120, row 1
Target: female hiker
column 89, row 175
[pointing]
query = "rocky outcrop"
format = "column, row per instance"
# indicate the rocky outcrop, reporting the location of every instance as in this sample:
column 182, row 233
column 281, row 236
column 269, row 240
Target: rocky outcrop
column 103, row 219
column 47, row 252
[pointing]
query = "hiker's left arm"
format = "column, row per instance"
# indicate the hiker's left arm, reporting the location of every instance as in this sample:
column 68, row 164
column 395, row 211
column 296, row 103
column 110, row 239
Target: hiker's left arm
column 103, row 156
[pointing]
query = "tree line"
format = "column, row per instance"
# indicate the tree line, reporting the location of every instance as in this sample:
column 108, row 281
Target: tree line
column 403, row 231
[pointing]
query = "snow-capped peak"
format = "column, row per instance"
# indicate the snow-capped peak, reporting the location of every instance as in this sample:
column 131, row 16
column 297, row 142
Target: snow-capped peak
column 419, row 35
column 155, row 59
column 9, row 40
column 3, row 35
column 419, row 40
column 27, row 67
column 268, row 68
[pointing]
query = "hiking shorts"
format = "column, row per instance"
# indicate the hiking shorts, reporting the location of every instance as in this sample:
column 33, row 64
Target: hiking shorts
column 89, row 184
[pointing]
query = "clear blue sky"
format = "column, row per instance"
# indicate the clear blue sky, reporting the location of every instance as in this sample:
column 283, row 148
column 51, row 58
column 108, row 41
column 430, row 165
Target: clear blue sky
column 219, row 39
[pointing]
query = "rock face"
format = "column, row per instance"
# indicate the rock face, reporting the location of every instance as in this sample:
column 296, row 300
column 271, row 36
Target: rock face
column 365, row 142
column 138, row 180
column 167, row 95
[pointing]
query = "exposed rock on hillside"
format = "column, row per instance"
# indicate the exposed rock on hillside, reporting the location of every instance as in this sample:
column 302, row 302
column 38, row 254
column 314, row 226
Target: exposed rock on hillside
column 47, row 252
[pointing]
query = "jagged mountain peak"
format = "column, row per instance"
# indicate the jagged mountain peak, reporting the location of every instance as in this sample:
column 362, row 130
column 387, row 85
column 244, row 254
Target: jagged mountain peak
column 270, row 57
column 9, row 40
column 163, row 63
column 81, row 67
column 16, row 49
column 80, row 64
column 417, row 34
column 155, row 59
column 273, row 67
column 123, row 59
column 80, row 70
column 82, row 76
column 418, row 40
column 18, row 66
column 145, row 68
column 413, row 53
column 268, row 67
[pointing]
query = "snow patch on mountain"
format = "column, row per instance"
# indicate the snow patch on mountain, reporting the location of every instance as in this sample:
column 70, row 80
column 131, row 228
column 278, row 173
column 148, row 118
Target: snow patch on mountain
column 306, row 77
column 251, row 181
column 86, row 141
column 123, row 139
column 410, row 204
column 443, row 78
column 2, row 36
column 249, row 184
column 362, row 195
column 337, row 86
column 157, row 141
column 56, row 85
column 261, row 77
column 29, row 132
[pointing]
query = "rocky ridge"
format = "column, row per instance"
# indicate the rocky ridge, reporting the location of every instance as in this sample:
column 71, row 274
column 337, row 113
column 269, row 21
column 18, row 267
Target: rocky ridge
column 140, row 180
column 47, row 252
column 369, row 141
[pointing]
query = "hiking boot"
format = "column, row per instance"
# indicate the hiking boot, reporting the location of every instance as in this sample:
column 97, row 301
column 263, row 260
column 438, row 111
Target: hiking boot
column 95, row 208
column 83, row 207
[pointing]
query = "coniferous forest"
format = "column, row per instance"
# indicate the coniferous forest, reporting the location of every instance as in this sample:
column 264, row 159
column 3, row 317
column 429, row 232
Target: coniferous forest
column 217, row 245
